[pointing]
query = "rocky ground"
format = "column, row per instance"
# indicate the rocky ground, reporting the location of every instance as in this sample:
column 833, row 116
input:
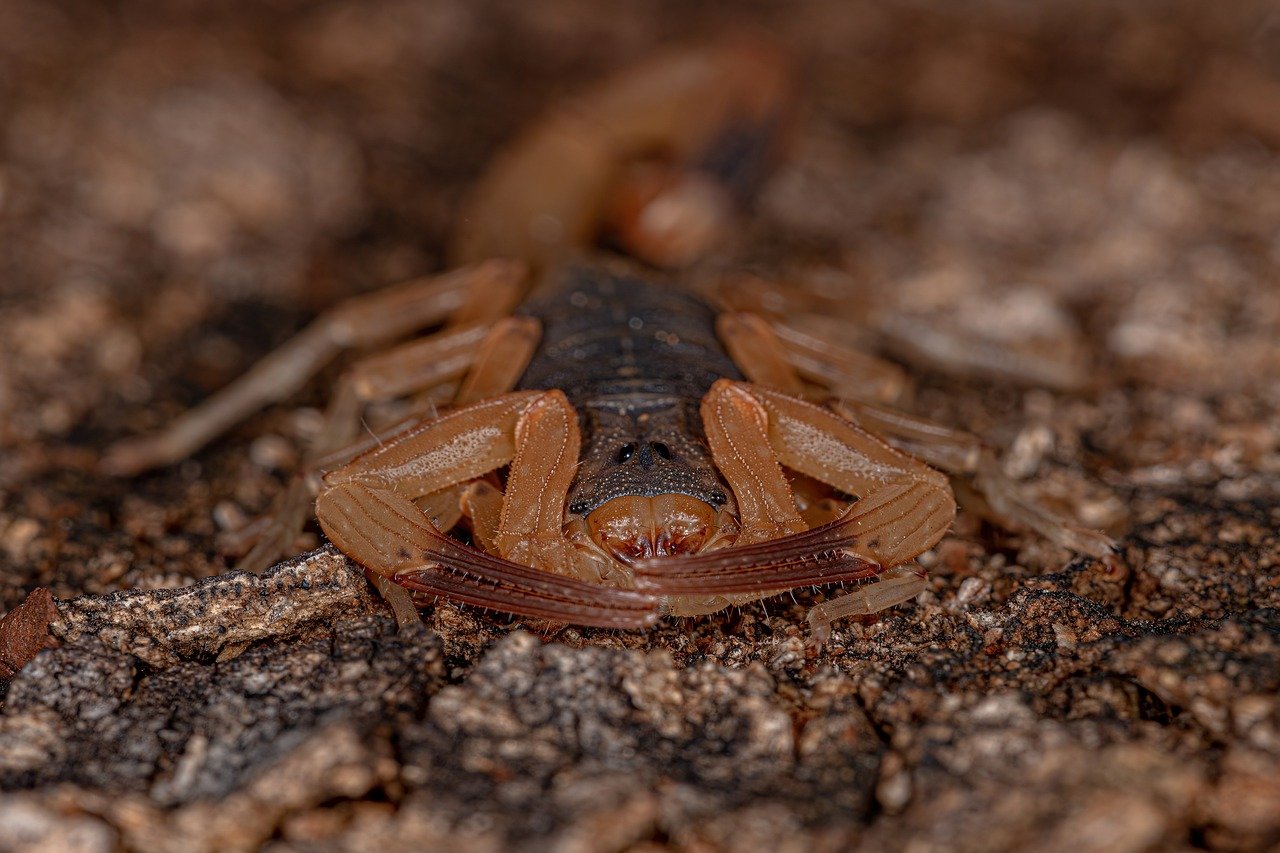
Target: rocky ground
column 183, row 185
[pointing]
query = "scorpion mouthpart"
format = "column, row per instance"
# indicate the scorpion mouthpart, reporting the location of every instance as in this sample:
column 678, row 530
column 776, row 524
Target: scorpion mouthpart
column 635, row 527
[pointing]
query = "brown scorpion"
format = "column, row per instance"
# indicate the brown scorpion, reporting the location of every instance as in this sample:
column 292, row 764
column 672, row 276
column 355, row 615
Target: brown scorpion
column 612, row 448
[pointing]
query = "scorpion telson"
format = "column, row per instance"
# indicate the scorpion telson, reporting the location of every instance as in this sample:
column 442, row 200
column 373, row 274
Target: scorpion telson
column 612, row 447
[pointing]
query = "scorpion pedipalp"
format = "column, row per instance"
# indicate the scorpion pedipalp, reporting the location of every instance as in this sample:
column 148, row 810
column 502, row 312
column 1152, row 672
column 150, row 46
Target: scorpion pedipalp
column 450, row 569
column 825, row 554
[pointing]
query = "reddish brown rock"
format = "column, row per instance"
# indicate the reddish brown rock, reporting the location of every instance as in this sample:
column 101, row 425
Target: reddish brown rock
column 24, row 632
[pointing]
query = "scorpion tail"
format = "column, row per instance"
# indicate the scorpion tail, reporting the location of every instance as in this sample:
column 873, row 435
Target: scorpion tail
column 654, row 160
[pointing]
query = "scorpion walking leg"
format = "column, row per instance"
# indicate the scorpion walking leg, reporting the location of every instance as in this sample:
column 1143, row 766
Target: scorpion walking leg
column 779, row 355
column 414, row 365
column 905, row 506
column 419, row 365
column 501, row 360
column 371, row 320
column 965, row 455
column 897, row 585
column 482, row 505
column 842, row 370
column 774, row 354
column 1057, row 362
column 758, row 352
column 367, row 510
column 491, row 358
column 497, row 298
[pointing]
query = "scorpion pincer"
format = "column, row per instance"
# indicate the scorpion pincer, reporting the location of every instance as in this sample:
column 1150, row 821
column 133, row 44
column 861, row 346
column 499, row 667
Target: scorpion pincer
column 612, row 448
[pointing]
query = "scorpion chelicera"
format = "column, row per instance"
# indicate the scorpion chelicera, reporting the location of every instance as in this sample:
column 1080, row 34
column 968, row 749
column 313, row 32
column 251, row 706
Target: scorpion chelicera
column 603, row 446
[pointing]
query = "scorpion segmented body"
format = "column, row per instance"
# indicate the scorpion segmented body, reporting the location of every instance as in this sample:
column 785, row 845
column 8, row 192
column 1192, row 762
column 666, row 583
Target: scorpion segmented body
column 612, row 447
column 634, row 358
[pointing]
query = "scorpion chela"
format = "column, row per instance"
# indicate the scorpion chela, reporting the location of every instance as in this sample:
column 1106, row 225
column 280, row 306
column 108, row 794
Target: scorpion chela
column 595, row 444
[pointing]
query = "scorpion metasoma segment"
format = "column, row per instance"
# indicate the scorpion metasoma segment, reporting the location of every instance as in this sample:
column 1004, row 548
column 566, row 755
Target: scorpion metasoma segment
column 592, row 443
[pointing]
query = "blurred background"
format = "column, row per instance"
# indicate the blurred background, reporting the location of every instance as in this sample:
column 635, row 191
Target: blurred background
column 184, row 184
column 1090, row 185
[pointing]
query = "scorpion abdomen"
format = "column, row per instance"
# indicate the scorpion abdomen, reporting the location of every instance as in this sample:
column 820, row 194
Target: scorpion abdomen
column 610, row 331
column 634, row 355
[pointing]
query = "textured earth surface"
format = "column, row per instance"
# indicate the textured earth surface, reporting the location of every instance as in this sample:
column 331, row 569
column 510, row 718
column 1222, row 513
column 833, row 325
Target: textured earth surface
column 183, row 185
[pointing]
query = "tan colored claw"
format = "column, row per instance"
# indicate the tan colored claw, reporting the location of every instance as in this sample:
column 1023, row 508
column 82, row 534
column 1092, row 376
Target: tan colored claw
column 904, row 506
column 366, row 508
column 778, row 354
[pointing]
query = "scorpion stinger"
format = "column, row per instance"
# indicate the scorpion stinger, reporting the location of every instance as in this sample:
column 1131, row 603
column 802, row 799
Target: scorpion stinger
column 656, row 158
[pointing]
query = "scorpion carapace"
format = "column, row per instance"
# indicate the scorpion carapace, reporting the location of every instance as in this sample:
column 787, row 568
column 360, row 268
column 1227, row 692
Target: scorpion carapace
column 612, row 447
column 634, row 358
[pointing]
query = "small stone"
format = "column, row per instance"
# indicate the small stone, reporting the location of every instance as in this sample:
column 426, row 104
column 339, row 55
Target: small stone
column 18, row 535
column 273, row 453
column 24, row 632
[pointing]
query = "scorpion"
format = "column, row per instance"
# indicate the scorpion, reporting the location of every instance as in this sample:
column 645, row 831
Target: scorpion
column 595, row 444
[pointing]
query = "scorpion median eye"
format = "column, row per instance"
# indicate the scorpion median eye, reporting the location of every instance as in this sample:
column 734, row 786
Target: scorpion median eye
column 626, row 452
column 661, row 449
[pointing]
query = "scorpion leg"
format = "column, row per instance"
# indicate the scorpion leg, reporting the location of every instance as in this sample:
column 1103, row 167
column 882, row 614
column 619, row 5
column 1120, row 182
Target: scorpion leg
column 367, row 510
column 780, row 355
column 491, row 300
column 776, row 355
column 842, row 370
column 1056, row 362
column 501, row 360
column 492, row 360
column 758, row 352
column 898, row 584
column 481, row 503
column 965, row 455
column 369, row 320
column 490, row 356
column 905, row 506
column 488, row 359
column 408, row 368
column 952, row 450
